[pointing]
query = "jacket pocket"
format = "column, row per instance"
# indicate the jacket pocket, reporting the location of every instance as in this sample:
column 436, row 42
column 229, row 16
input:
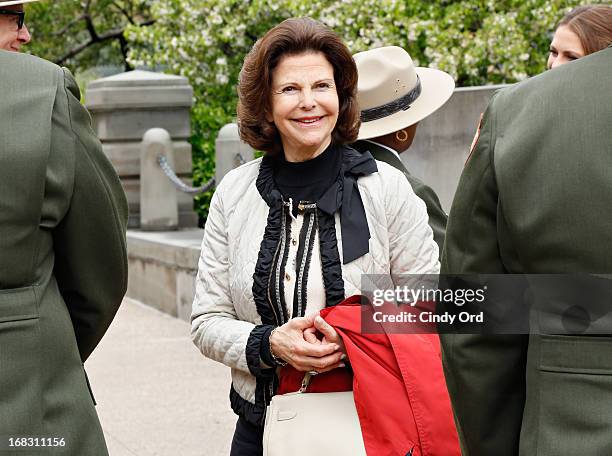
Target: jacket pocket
column 18, row 304
column 576, row 354
column 20, row 363
column 574, row 395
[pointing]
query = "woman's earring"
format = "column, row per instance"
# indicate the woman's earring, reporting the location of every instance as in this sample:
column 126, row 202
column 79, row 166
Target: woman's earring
column 401, row 135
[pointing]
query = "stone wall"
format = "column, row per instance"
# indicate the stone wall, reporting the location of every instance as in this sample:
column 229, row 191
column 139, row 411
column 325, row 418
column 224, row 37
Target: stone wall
column 443, row 140
column 162, row 269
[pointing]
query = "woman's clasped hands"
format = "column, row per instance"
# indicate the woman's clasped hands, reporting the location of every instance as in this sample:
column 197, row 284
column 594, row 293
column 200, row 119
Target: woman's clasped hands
column 309, row 344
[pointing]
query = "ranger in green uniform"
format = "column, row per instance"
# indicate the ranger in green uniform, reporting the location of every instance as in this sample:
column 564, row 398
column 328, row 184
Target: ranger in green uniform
column 536, row 197
column 63, row 262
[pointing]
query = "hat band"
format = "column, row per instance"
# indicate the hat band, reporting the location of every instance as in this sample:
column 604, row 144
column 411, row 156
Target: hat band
column 401, row 104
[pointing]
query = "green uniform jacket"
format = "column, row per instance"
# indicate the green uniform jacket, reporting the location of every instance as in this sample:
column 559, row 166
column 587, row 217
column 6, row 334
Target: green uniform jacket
column 536, row 197
column 437, row 216
column 63, row 263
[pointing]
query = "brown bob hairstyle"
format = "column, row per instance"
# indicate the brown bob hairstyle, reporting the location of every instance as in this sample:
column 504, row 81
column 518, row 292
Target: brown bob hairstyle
column 291, row 37
column 592, row 24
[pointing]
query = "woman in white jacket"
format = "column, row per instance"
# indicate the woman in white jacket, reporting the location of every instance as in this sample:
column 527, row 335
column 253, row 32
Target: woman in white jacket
column 293, row 232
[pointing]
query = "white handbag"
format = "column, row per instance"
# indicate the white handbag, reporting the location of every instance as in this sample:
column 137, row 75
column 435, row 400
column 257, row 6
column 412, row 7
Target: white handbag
column 303, row 424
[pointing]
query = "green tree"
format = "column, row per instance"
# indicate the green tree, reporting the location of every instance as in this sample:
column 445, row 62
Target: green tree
column 86, row 33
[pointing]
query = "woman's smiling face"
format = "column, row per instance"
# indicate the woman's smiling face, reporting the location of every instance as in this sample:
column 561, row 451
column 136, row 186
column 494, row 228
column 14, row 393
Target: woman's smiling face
column 304, row 104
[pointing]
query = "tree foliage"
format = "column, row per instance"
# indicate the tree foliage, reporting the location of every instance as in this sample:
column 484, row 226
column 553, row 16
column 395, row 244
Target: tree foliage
column 82, row 34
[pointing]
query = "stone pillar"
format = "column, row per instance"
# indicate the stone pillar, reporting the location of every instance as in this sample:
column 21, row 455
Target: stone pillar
column 123, row 108
column 230, row 151
column 158, row 196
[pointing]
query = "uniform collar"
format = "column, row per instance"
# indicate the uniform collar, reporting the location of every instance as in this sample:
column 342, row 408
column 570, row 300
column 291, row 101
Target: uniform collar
column 393, row 151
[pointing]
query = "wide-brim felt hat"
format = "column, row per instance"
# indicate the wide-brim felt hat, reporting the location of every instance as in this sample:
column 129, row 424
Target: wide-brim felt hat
column 15, row 2
column 394, row 94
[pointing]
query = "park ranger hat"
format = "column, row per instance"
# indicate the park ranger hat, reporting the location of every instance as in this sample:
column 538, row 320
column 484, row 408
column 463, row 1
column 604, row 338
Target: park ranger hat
column 15, row 2
column 393, row 93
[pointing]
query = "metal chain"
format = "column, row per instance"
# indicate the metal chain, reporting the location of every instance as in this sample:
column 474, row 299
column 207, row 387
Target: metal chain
column 239, row 159
column 178, row 183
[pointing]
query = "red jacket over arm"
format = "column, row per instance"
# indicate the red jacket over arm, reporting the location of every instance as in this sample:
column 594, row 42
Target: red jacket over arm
column 399, row 387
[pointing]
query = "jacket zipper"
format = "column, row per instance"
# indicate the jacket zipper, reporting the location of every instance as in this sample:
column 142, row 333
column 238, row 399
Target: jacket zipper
column 300, row 277
column 272, row 307
column 276, row 310
column 269, row 387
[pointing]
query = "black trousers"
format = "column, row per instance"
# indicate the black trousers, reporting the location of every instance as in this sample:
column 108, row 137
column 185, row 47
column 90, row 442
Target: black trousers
column 247, row 439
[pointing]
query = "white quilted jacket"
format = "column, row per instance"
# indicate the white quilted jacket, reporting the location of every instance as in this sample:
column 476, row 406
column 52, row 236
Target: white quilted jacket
column 224, row 313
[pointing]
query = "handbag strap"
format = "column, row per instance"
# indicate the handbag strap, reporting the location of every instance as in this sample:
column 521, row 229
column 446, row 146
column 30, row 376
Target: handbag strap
column 306, row 381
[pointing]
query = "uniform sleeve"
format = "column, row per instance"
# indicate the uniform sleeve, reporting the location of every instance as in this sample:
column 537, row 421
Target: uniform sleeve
column 437, row 216
column 89, row 242
column 485, row 373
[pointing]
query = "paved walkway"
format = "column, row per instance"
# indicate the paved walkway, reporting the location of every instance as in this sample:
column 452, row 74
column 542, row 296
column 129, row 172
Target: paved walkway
column 156, row 394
